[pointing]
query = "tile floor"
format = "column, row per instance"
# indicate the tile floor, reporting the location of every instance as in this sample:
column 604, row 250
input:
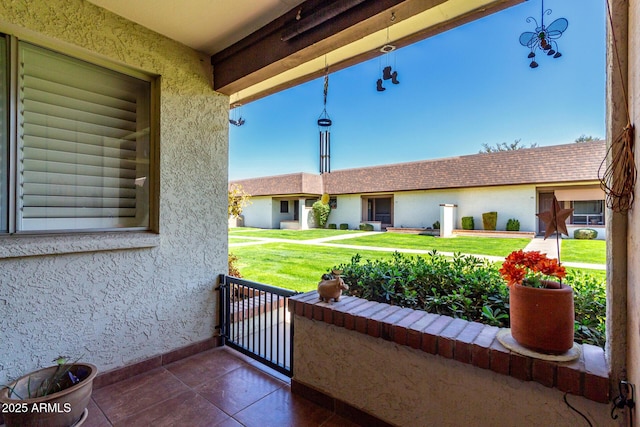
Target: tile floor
column 218, row 387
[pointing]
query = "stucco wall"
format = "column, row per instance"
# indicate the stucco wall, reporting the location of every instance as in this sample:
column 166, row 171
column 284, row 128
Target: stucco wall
column 259, row 213
column 633, row 240
column 117, row 307
column 422, row 208
column 408, row 387
column 348, row 211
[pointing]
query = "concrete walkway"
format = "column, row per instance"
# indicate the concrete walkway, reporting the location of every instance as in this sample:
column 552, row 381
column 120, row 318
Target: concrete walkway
column 537, row 244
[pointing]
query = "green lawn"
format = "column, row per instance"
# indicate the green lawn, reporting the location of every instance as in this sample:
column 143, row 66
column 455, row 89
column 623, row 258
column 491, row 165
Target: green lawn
column 315, row 233
column 467, row 245
column 293, row 266
column 588, row 251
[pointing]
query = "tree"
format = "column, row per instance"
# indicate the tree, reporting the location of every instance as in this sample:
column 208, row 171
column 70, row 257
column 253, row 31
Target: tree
column 585, row 138
column 238, row 199
column 321, row 211
column 515, row 145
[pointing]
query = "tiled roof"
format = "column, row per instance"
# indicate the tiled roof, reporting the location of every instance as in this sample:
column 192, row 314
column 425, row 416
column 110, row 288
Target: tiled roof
column 574, row 162
column 296, row 183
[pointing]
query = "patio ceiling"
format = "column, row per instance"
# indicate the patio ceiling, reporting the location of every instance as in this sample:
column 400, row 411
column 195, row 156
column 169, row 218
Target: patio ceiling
column 245, row 37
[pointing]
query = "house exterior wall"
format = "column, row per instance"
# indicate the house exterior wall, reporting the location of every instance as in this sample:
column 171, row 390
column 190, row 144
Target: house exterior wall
column 259, row 213
column 347, row 211
column 422, row 208
column 119, row 306
column 633, row 239
column 408, row 387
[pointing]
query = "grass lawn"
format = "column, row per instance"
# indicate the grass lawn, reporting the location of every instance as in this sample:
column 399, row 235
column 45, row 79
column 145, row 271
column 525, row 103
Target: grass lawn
column 466, row 245
column 315, row 233
column 293, row 266
column 589, row 251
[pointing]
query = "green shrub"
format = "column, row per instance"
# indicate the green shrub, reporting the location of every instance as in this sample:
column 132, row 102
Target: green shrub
column 489, row 220
column 513, row 225
column 331, row 227
column 467, row 223
column 321, row 213
column 344, row 226
column 465, row 287
column 366, row 227
column 436, row 225
column 585, row 234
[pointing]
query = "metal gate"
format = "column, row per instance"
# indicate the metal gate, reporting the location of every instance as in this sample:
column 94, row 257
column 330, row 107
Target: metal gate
column 255, row 320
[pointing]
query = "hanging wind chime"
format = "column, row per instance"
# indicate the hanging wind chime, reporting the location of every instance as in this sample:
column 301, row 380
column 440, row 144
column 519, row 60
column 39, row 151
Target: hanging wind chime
column 235, row 116
column 388, row 73
column 324, row 128
column 543, row 38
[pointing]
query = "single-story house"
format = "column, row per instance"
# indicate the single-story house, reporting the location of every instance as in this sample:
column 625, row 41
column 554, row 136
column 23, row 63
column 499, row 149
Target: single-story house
column 516, row 184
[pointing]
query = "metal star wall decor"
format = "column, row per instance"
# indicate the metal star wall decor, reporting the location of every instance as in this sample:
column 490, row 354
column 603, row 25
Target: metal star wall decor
column 555, row 219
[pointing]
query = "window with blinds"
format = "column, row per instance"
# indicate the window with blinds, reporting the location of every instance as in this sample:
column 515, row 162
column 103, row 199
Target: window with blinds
column 82, row 145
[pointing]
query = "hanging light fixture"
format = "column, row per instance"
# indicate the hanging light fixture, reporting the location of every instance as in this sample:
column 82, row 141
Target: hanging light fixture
column 324, row 128
column 543, row 38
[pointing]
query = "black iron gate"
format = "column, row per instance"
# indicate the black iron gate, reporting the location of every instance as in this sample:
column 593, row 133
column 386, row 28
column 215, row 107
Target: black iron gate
column 255, row 320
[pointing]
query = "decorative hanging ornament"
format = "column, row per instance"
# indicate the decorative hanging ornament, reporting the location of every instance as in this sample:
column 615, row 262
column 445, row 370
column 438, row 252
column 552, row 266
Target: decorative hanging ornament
column 235, row 116
column 324, row 128
column 388, row 73
column 543, row 38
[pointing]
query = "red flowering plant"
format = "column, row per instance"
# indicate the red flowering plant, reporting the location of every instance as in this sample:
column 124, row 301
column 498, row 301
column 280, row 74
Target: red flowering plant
column 531, row 268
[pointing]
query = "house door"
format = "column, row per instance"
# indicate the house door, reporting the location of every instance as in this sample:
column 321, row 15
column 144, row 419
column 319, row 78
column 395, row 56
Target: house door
column 379, row 209
column 296, row 208
column 545, row 203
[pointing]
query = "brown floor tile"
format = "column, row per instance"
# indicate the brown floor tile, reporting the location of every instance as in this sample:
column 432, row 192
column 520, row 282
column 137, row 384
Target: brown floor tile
column 282, row 408
column 229, row 422
column 338, row 421
column 133, row 395
column 205, row 366
column 96, row 418
column 185, row 409
column 238, row 389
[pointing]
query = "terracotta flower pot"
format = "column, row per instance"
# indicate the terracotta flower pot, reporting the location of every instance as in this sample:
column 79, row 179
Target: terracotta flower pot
column 542, row 319
column 60, row 409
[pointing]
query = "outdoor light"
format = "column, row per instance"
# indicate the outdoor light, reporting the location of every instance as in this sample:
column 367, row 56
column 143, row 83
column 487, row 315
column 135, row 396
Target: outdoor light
column 543, row 38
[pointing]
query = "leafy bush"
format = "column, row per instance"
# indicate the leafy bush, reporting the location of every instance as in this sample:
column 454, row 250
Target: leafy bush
column 489, row 220
column 233, row 267
column 344, row 226
column 366, row 227
column 585, row 234
column 331, row 227
column 513, row 225
column 467, row 223
column 465, row 287
column 436, row 225
column 321, row 213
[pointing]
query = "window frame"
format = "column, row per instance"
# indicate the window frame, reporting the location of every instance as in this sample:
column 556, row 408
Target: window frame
column 10, row 228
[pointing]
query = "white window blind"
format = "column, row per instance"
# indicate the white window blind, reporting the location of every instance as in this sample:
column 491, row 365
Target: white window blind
column 83, row 145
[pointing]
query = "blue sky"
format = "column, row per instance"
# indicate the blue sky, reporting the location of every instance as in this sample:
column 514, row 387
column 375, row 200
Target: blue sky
column 458, row 90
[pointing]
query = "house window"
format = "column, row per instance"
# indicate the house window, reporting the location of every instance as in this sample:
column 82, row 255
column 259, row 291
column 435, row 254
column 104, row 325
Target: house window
column 308, row 203
column 590, row 212
column 284, row 206
column 81, row 142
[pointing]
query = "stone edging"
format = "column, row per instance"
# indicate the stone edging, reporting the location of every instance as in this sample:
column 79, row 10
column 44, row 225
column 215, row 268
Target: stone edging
column 466, row 342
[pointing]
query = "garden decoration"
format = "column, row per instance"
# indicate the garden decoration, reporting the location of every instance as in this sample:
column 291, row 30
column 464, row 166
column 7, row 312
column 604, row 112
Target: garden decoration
column 331, row 286
column 541, row 307
column 324, row 128
column 56, row 396
column 235, row 115
column 543, row 38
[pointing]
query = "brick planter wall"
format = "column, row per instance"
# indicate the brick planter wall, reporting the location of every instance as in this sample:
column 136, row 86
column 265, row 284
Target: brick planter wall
column 467, row 342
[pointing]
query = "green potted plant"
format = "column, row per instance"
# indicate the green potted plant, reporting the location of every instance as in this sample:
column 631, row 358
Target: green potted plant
column 541, row 309
column 56, row 396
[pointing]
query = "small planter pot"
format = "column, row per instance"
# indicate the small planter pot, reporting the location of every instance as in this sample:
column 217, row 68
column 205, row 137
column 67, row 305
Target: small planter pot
column 60, row 409
column 542, row 319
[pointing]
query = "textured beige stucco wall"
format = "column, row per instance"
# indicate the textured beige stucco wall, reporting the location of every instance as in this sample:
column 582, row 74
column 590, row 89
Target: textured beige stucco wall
column 117, row 307
column 408, row 387
column 633, row 239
